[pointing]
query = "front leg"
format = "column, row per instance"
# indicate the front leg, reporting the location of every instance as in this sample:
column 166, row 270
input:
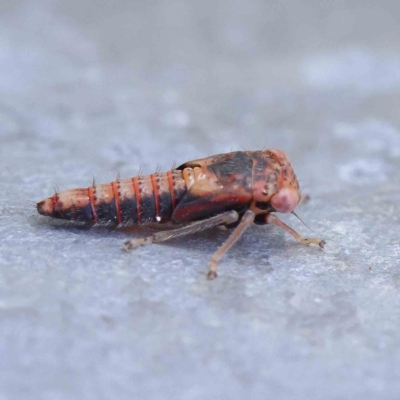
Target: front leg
column 273, row 219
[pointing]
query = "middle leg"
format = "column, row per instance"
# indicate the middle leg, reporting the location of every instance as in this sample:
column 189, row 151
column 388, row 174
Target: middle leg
column 246, row 221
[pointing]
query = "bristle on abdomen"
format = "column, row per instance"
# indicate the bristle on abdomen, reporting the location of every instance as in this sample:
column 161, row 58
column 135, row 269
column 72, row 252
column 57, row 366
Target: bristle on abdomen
column 140, row 200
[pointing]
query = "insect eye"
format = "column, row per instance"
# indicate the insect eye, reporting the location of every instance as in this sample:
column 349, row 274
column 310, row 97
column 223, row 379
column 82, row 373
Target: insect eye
column 285, row 200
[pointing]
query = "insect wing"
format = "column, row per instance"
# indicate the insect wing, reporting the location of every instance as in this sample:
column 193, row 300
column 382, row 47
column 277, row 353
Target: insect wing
column 193, row 208
column 223, row 183
column 204, row 162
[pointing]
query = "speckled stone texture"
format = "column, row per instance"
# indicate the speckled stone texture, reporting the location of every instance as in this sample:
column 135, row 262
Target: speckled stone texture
column 95, row 88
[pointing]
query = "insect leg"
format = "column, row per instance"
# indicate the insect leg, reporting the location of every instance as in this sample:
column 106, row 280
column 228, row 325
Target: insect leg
column 228, row 217
column 273, row 219
column 246, row 221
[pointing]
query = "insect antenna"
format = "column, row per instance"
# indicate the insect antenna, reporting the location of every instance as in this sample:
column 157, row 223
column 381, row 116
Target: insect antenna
column 303, row 222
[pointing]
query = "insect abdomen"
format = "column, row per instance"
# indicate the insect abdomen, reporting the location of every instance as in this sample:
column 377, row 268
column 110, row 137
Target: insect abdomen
column 139, row 200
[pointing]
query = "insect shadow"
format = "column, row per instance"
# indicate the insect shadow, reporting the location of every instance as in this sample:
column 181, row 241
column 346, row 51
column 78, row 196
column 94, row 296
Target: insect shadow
column 258, row 242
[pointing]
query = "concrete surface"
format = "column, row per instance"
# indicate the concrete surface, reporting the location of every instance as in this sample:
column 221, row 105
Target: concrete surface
column 92, row 88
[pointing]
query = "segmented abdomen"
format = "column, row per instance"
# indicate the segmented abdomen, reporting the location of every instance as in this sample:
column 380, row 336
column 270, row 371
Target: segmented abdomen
column 139, row 200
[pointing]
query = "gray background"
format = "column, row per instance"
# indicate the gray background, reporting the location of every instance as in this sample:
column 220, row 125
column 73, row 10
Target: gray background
column 96, row 87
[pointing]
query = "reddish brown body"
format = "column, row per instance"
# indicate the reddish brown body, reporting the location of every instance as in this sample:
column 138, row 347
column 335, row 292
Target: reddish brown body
column 195, row 190
column 233, row 189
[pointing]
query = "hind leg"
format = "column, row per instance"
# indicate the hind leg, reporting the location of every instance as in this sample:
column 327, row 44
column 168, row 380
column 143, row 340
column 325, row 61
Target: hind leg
column 228, row 217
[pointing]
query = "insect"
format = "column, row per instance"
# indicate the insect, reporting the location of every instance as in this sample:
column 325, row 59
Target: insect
column 233, row 190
